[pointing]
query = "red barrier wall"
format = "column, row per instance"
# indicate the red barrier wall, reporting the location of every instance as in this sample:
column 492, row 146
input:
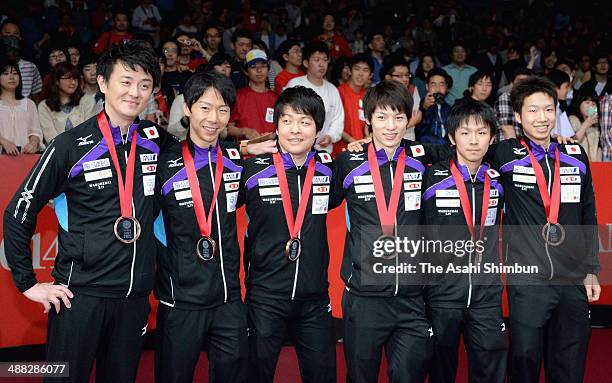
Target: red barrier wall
column 22, row 322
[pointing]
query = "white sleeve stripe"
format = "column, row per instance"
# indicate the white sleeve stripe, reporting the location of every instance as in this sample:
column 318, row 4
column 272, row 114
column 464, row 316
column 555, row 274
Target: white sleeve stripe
column 26, row 194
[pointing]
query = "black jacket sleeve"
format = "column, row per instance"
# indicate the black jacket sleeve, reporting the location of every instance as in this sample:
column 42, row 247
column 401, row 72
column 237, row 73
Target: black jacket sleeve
column 46, row 180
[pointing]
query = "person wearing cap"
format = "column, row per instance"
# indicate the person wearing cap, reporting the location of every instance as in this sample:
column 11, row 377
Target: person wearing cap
column 254, row 111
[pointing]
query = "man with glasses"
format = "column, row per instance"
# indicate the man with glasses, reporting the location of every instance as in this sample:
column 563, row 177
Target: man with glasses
column 175, row 76
column 397, row 69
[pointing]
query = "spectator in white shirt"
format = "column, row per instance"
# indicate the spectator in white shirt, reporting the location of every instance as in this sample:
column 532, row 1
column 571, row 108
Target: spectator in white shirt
column 562, row 81
column 146, row 19
column 315, row 58
column 19, row 126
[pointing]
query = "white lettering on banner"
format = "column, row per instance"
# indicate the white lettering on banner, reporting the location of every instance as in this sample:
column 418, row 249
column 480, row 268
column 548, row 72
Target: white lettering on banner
column 37, row 256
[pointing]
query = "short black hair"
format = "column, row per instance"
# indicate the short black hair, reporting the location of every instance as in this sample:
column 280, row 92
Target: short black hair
column 443, row 73
column 390, row 62
column 131, row 53
column 521, row 71
column 302, row 100
column 86, row 59
column 313, row 47
column 362, row 58
column 241, row 33
column 581, row 96
column 200, row 82
column 389, row 94
column 5, row 64
column 284, row 48
column 558, row 77
column 529, row 86
column 218, row 58
column 462, row 112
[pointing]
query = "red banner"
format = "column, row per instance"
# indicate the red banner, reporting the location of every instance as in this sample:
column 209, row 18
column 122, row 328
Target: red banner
column 22, row 322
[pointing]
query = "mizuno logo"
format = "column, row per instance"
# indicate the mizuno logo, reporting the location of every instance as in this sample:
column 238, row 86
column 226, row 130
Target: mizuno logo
column 262, row 161
column 85, row 140
column 356, row 157
column 519, row 151
column 175, row 163
column 440, row 172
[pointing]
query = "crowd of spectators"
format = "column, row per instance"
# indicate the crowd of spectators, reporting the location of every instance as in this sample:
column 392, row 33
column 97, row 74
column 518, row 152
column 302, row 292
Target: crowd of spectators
column 443, row 53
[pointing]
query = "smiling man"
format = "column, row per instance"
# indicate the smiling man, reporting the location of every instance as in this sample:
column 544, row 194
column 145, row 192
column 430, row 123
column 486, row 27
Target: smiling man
column 102, row 176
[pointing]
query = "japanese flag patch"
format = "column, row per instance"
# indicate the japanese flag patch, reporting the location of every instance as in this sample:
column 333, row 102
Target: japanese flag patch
column 492, row 173
column 572, row 149
column 151, row 132
column 325, row 157
column 417, row 150
column 233, row 153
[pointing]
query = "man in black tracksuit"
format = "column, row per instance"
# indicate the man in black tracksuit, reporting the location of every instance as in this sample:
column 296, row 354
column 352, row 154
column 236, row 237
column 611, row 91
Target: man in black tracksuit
column 287, row 296
column 383, row 309
column 549, row 308
column 466, row 302
column 101, row 285
column 200, row 301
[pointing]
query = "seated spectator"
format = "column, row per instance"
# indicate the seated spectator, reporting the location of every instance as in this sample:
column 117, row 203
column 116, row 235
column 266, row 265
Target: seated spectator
column 316, row 60
column 507, row 126
column 55, row 53
column 600, row 82
column 289, row 55
column 605, row 137
column 548, row 61
column 19, row 126
column 89, row 82
column 253, row 113
column 480, row 88
column 212, row 38
column 351, row 94
column 74, row 54
column 340, row 72
column 397, row 69
column 272, row 69
column 459, row 71
column 583, row 72
column 568, row 67
column 562, row 83
column 174, row 76
column 584, row 121
column 220, row 62
column 31, row 81
column 426, row 63
column 378, row 49
column 242, row 42
column 337, row 44
column 190, row 52
column 116, row 35
column 64, row 109
column 146, row 19
column 433, row 128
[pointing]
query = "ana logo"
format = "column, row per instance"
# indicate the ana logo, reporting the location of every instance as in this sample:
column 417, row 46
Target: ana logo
column 262, row 161
column 175, row 163
column 151, row 132
column 151, row 157
column 519, row 151
column 85, row 140
column 417, row 150
column 356, row 157
column 438, row 172
column 325, row 157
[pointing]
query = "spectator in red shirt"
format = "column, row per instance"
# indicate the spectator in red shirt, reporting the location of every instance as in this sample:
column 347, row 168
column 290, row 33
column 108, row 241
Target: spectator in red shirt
column 289, row 55
column 250, row 18
column 351, row 94
column 188, row 49
column 253, row 114
column 119, row 33
column 337, row 44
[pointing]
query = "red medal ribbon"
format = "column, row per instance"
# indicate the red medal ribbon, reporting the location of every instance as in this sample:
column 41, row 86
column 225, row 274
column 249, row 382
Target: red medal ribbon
column 204, row 224
column 465, row 201
column 294, row 227
column 387, row 214
column 551, row 203
column 125, row 190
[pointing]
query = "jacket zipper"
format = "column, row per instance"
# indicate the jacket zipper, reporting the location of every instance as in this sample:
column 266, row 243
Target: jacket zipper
column 395, row 231
column 552, row 267
column 220, row 242
column 124, row 142
column 297, row 262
